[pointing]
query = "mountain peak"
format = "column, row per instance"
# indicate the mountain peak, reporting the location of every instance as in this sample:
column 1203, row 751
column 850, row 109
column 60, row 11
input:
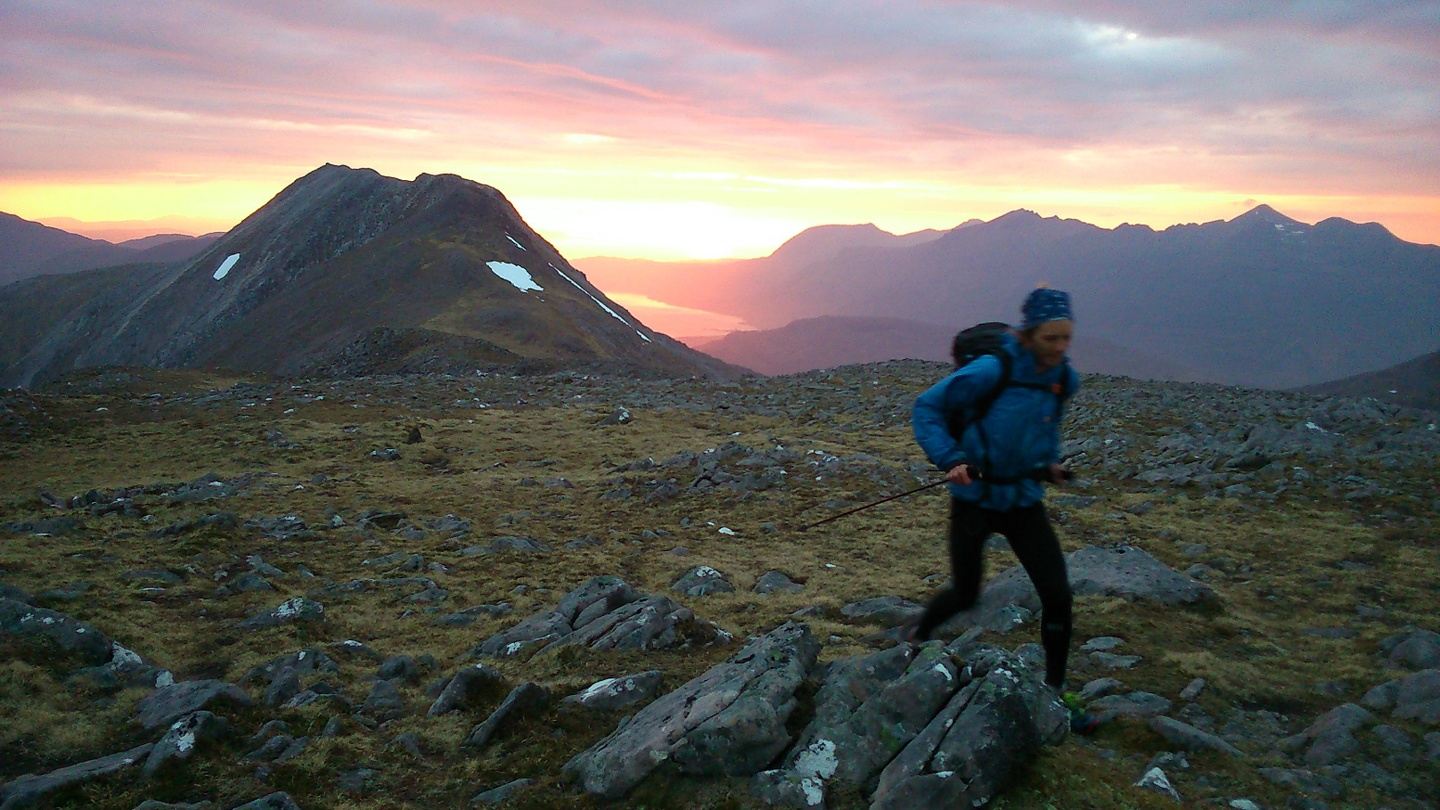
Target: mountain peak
column 1266, row 214
column 1020, row 216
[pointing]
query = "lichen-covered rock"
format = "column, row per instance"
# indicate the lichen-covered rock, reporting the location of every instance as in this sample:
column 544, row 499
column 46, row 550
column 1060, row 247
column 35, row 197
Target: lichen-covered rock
column 867, row 709
column 612, row 694
column 297, row 609
column 183, row 738
column 730, row 720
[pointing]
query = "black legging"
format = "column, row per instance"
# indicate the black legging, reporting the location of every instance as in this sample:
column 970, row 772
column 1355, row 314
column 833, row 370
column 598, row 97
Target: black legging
column 1034, row 543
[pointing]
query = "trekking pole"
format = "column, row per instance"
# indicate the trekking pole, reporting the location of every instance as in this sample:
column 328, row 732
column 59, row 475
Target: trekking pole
column 1042, row 474
column 930, row 485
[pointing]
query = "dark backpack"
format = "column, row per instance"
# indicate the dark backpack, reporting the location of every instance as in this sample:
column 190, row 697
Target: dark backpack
column 974, row 343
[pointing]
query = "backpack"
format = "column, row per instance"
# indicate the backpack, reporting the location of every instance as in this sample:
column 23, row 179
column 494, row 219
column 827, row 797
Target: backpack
column 975, row 342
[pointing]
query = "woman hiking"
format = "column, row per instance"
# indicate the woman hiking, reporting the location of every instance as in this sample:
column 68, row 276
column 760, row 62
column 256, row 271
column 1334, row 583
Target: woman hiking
column 1009, row 403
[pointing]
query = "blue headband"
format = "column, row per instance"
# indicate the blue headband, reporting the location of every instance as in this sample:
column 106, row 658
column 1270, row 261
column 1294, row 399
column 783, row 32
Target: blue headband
column 1044, row 305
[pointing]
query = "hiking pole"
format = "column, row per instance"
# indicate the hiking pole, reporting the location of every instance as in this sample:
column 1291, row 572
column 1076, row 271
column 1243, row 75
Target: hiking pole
column 1042, row 474
column 930, row 485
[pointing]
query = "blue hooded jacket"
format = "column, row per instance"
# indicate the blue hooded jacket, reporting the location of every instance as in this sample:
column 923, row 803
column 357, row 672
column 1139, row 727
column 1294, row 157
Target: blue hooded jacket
column 1022, row 426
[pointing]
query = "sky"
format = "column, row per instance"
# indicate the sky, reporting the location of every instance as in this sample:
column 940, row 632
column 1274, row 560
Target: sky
column 673, row 130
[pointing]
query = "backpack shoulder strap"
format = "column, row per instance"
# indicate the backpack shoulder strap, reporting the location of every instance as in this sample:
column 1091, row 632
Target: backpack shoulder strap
column 982, row 406
column 960, row 418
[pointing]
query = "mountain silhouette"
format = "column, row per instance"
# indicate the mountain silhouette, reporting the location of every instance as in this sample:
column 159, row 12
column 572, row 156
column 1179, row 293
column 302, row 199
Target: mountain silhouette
column 836, row 340
column 32, row 249
column 1261, row 299
column 344, row 271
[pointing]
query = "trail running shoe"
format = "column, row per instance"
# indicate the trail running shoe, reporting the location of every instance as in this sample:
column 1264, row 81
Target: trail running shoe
column 1081, row 721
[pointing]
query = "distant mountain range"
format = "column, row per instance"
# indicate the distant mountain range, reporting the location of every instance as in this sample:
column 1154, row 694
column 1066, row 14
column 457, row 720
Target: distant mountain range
column 838, row 340
column 30, row 249
column 1260, row 300
column 345, row 271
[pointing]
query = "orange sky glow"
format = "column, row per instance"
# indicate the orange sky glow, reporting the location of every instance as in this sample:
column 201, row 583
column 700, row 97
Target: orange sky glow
column 663, row 132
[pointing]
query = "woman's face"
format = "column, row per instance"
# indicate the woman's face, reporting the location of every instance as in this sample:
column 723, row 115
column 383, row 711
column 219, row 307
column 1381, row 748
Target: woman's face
column 1049, row 342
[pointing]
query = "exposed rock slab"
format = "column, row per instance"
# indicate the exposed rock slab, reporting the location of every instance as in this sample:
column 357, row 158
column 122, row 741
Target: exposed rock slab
column 30, row 790
column 730, row 720
column 1124, row 571
column 993, row 725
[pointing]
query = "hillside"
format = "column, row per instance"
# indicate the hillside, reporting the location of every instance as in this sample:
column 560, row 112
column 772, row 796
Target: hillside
column 344, row 271
column 378, row 592
column 1414, row 384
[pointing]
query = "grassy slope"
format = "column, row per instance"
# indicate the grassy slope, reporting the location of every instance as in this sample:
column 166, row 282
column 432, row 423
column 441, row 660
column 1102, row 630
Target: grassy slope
column 475, row 464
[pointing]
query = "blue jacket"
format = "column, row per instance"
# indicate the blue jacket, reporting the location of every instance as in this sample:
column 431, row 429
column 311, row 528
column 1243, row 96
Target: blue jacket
column 1022, row 426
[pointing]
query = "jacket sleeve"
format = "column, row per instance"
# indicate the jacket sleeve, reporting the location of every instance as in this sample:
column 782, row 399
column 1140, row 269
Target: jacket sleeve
column 1072, row 385
column 961, row 389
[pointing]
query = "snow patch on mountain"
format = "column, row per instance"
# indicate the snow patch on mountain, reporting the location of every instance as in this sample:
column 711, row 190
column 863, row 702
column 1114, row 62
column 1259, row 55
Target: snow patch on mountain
column 612, row 312
column 225, row 266
column 518, row 276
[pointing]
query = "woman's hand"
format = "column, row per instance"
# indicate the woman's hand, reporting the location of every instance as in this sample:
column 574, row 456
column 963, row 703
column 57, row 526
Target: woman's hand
column 1058, row 474
column 960, row 474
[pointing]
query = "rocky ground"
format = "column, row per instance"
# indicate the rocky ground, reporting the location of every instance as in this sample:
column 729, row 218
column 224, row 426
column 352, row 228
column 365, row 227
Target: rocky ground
column 568, row 589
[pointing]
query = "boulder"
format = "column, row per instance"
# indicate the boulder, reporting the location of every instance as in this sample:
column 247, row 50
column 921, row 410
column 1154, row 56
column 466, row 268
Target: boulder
column 702, row 580
column 1331, row 738
column 25, row 621
column 297, row 609
column 772, row 581
column 526, row 698
column 1187, row 737
column 1417, row 649
column 730, row 720
column 384, row 702
column 501, row 794
column 605, row 613
column 467, row 685
column 184, row 737
column 169, row 703
column 886, row 610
